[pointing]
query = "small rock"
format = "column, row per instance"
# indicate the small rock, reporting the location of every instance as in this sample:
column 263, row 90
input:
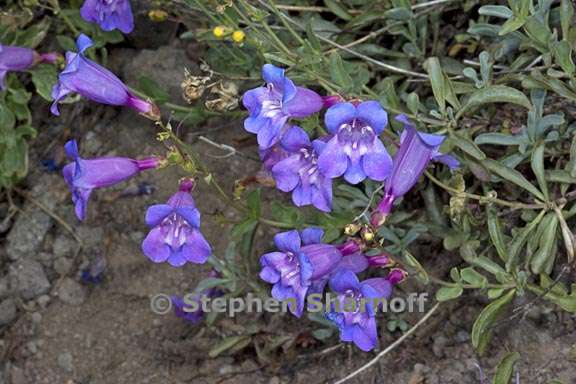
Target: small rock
column 63, row 265
column 36, row 317
column 7, row 311
column 462, row 336
column 17, row 376
column 32, row 347
column 43, row 301
column 71, row 292
column 91, row 237
column 4, row 287
column 28, row 279
column 65, row 361
column 137, row 236
column 63, row 247
column 440, row 343
column 30, row 227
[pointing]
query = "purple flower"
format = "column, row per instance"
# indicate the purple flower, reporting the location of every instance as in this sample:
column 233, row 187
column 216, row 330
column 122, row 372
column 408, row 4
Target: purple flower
column 85, row 175
column 109, row 14
column 301, row 260
column 354, row 310
column 299, row 171
column 416, row 150
column 271, row 106
column 96, row 83
column 175, row 236
column 181, row 309
column 355, row 151
column 15, row 59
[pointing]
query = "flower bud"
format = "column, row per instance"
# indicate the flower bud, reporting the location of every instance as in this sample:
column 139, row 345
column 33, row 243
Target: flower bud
column 157, row 15
column 367, row 234
column 352, row 229
column 238, row 36
column 219, row 31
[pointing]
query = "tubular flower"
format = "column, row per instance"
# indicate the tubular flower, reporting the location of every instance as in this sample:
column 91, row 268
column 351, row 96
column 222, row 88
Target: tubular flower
column 96, row 83
column 416, row 151
column 355, row 151
column 16, row 59
column 109, row 14
column 175, row 236
column 271, row 106
column 299, row 171
column 85, row 175
column 355, row 307
column 300, row 261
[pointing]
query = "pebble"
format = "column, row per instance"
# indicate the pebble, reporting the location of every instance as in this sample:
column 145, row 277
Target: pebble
column 440, row 343
column 63, row 247
column 462, row 336
column 43, row 301
column 63, row 265
column 7, row 311
column 65, row 361
column 36, row 317
column 71, row 292
column 28, row 279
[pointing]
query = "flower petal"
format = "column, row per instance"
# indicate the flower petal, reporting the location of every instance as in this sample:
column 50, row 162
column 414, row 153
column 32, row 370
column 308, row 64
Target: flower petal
column 196, row 250
column 343, row 280
column 288, row 241
column 339, row 114
column 304, row 103
column 372, row 113
column 294, row 139
column 285, row 173
column 156, row 213
column 312, row 235
column 333, row 161
column 190, row 214
column 154, row 246
column 354, row 173
column 273, row 75
column 377, row 163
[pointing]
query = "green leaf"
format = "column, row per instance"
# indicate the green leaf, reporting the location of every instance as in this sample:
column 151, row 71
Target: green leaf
column 563, row 54
column 153, row 90
column 519, row 241
column 513, row 176
column 566, row 14
column 495, row 94
column 449, row 293
column 44, row 76
column 543, row 258
column 227, row 344
column 467, row 145
column 253, row 201
column 481, row 331
column 496, row 11
column 505, row 368
column 512, row 25
column 412, row 262
column 495, row 231
column 473, row 277
column 537, row 163
column 338, row 73
column 337, row 9
column 67, row 43
column 437, row 81
column 498, row 139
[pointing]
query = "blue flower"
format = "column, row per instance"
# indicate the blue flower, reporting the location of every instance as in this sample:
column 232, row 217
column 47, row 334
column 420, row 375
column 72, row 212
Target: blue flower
column 175, row 236
column 354, row 311
column 298, row 172
column 355, row 150
column 302, row 260
column 271, row 106
column 96, row 83
column 109, row 14
column 85, row 175
column 416, row 151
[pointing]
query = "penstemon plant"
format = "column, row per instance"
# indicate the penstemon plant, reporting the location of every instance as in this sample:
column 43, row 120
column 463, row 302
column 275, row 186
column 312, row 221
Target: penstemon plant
column 377, row 147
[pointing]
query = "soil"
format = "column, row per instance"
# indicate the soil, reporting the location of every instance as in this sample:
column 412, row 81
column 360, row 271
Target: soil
column 55, row 329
